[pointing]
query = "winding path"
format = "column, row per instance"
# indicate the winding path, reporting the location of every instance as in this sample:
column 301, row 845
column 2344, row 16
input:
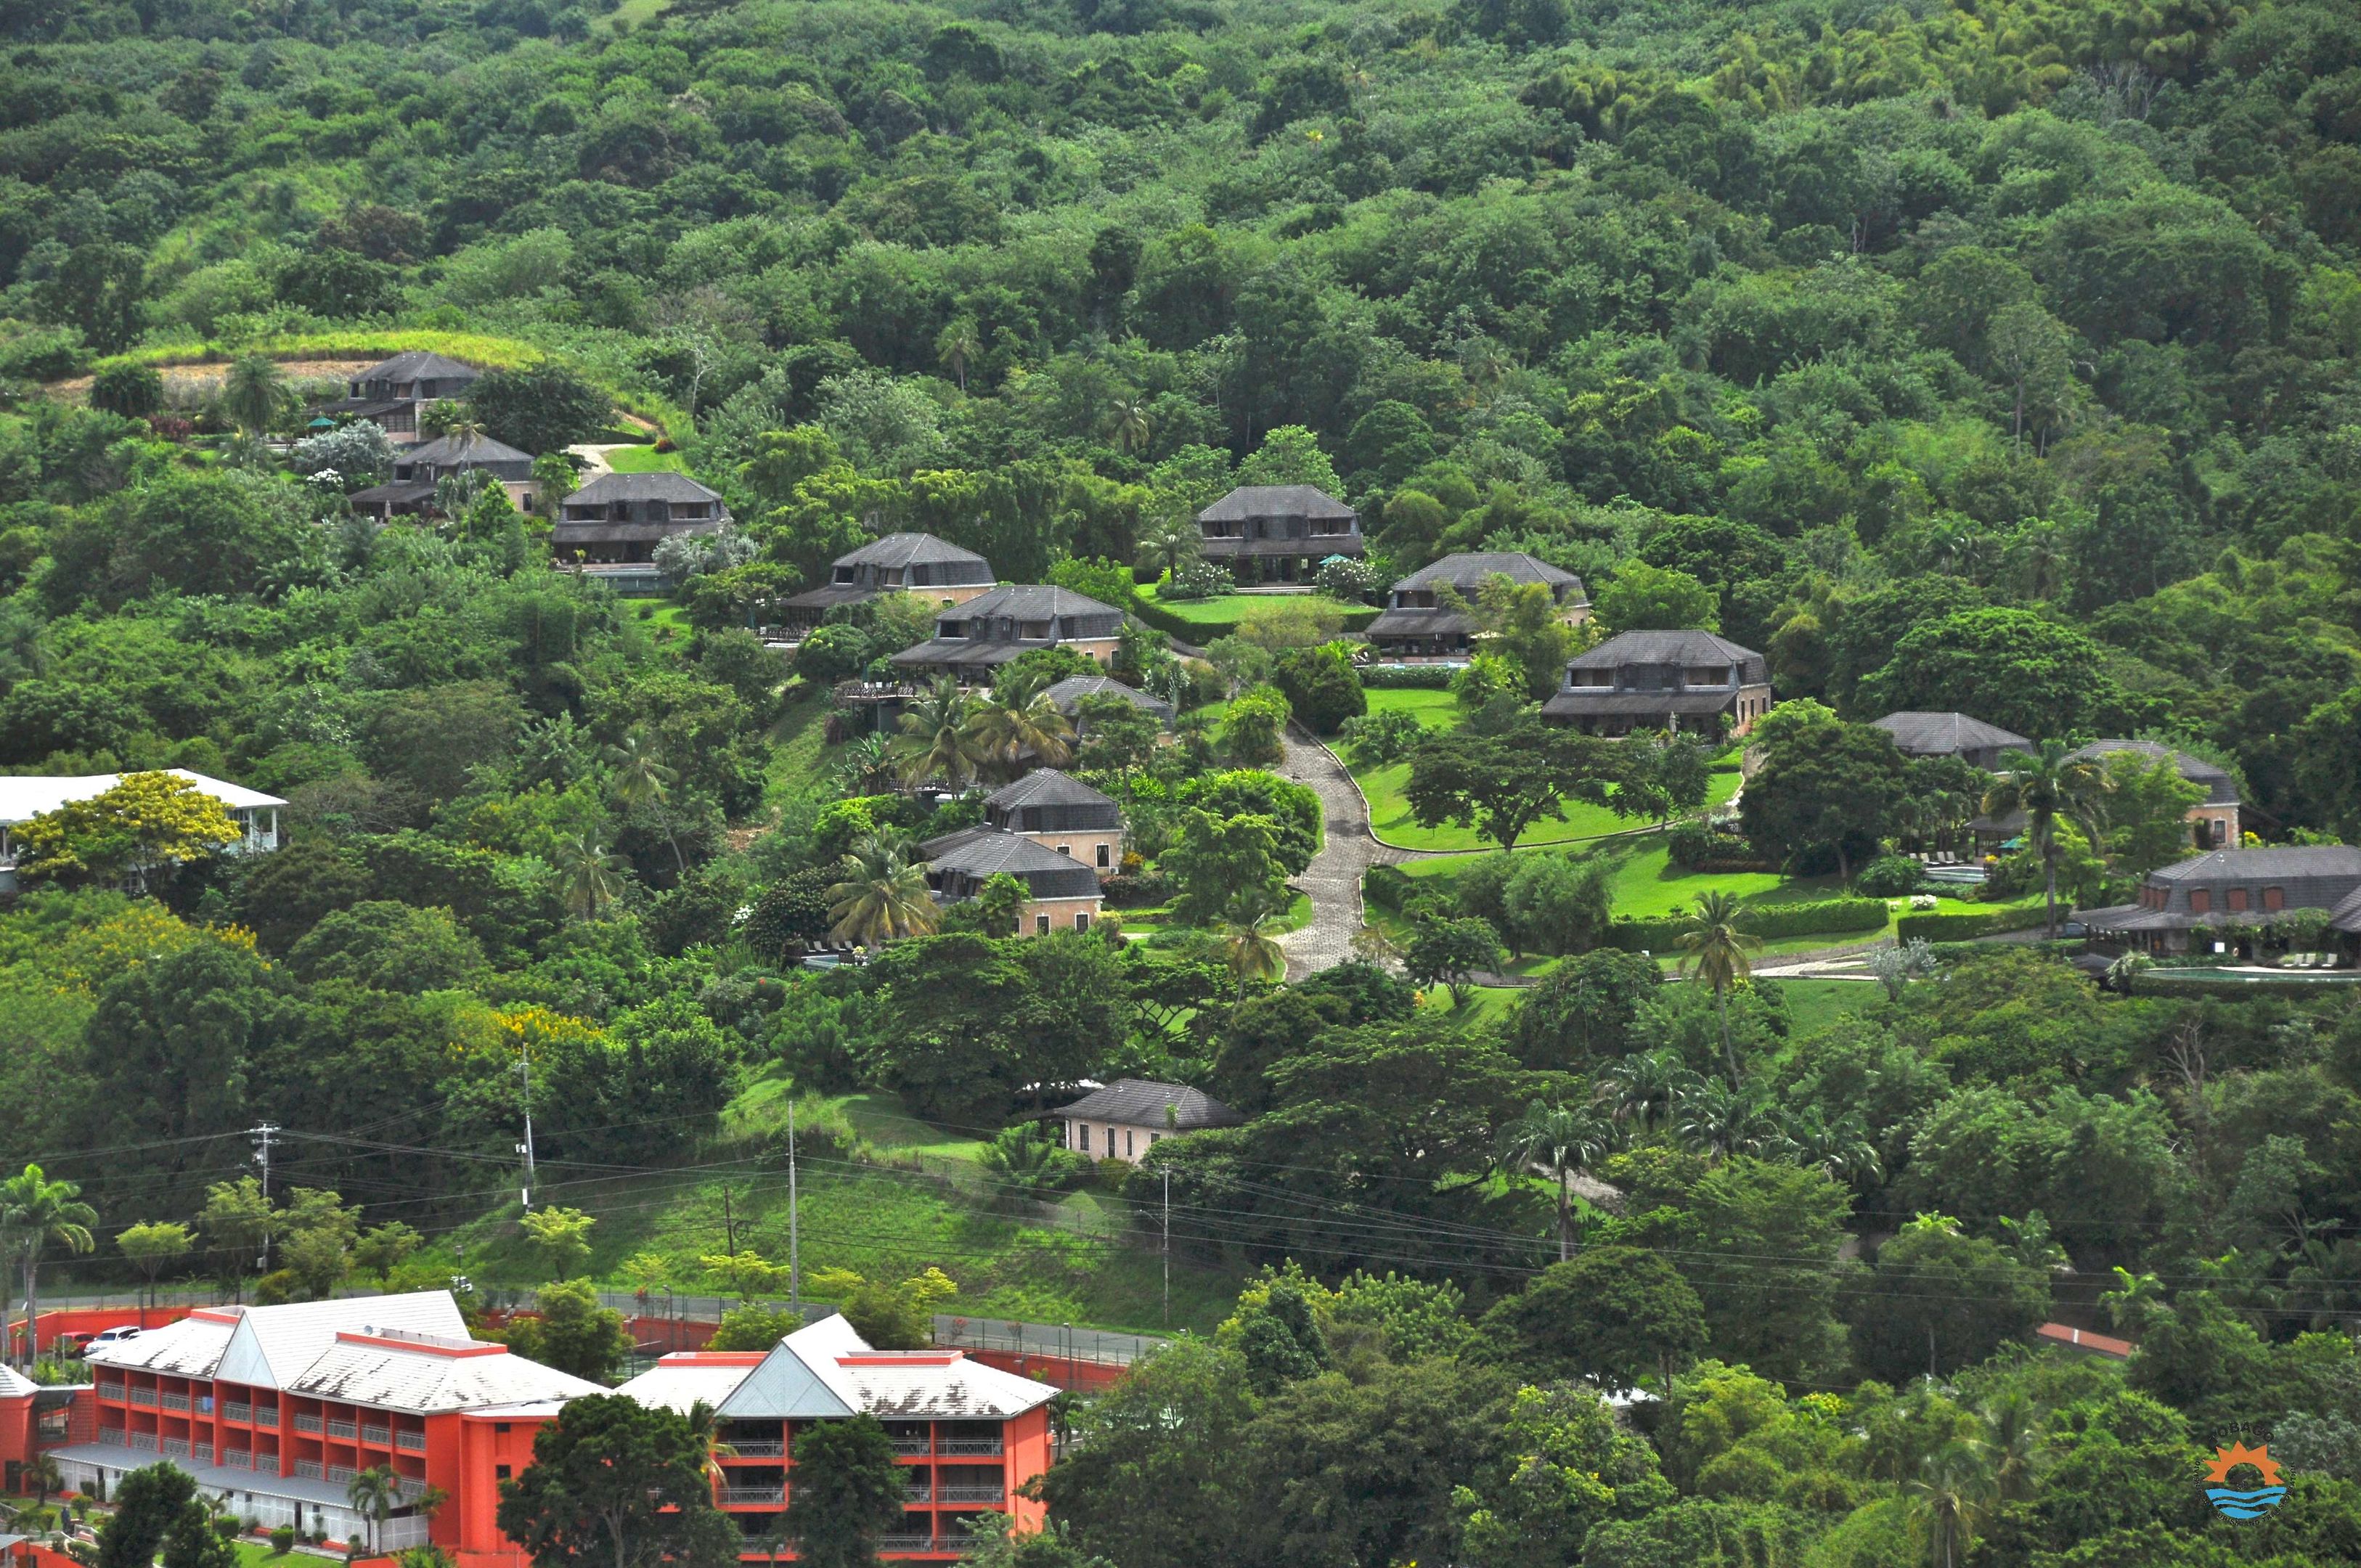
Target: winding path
column 1347, row 851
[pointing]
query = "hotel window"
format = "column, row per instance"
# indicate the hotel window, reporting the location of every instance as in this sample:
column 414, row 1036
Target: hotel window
column 1040, row 925
column 2273, row 898
column 1127, row 1143
column 1083, row 921
column 1102, row 857
column 1067, row 850
column 2237, row 898
column 1110, row 1143
column 2200, row 901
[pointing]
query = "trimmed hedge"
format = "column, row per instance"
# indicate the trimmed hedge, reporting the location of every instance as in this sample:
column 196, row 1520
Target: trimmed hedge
column 1959, row 925
column 1406, row 677
column 1197, row 634
column 1386, row 886
column 1825, row 916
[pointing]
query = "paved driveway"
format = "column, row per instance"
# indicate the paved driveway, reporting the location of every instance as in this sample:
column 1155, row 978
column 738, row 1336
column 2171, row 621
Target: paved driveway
column 1333, row 878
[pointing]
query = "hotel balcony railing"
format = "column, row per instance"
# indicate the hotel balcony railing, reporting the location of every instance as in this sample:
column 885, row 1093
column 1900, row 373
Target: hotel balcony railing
column 111, row 1389
column 414, row 1440
column 972, row 1494
column 754, row 1494
column 910, row 1543
column 233, row 1412
column 144, row 1441
column 920, row 1493
column 143, row 1396
column 757, row 1448
column 176, row 1401
column 266, row 1415
column 308, row 1423
column 971, row 1446
column 913, row 1447
column 337, row 1474
column 379, row 1435
column 203, row 1452
column 344, row 1429
column 113, row 1437
column 309, row 1469
column 236, row 1459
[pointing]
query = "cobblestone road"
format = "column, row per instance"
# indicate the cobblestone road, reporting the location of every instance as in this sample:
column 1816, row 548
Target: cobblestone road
column 1333, row 878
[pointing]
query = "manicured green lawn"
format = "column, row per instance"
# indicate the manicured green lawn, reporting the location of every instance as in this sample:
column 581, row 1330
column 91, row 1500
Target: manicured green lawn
column 1814, row 1005
column 1436, row 709
column 645, row 460
column 1223, row 612
column 1390, row 813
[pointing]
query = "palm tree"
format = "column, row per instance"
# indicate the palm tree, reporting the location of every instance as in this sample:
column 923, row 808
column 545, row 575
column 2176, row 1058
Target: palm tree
column 1004, row 727
column 1167, row 546
column 1249, row 937
column 956, row 344
column 1841, row 1147
column 1643, row 1087
column 2050, row 786
column 2012, row 1444
column 934, row 742
column 883, row 896
column 254, row 392
column 588, row 878
column 1130, row 424
column 35, row 1212
column 41, row 1476
column 373, row 1494
column 1948, row 1496
column 1562, row 1140
column 642, row 781
column 1717, row 953
column 1721, row 1119
column 867, row 766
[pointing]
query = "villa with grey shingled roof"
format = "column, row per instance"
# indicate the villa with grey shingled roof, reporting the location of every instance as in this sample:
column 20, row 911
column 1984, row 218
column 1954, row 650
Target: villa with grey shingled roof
column 1061, row 893
column 416, row 472
column 1951, row 735
column 2230, row 890
column 974, row 639
column 1060, row 814
column 621, row 518
column 1419, row 627
column 393, row 392
column 1277, row 534
column 1127, row 1117
column 1663, row 680
column 934, row 569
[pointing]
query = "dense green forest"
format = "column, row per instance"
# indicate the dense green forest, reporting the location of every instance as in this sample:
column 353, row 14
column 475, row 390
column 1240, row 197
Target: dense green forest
column 1992, row 354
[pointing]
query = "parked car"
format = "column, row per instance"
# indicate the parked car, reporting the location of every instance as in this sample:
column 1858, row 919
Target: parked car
column 114, row 1335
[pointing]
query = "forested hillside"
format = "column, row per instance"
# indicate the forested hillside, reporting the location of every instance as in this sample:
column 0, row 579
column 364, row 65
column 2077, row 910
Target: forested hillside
column 2001, row 357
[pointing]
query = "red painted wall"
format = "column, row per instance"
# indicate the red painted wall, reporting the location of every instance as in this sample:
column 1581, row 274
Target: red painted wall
column 91, row 1319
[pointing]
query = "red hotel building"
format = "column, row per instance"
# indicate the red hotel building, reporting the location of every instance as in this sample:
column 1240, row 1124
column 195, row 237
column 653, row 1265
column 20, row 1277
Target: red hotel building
column 275, row 1409
column 969, row 1435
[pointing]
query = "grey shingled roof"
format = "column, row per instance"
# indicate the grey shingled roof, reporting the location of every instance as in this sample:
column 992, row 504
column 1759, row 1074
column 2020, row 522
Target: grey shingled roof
column 1028, row 601
column 661, row 486
column 1045, row 786
column 1275, row 500
column 412, row 366
column 469, row 449
column 1946, row 734
column 2284, row 862
column 1668, row 648
column 984, row 852
column 2221, row 789
column 1141, row 1102
column 1585, row 701
column 1070, row 693
column 1468, row 568
column 911, row 550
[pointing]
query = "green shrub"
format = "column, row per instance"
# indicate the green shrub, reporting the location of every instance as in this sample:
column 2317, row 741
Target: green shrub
column 1890, row 876
column 1406, row 677
column 1388, row 887
column 282, row 1539
column 1950, row 926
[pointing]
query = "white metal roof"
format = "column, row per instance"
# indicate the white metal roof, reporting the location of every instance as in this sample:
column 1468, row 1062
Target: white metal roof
column 24, row 795
column 827, row 1369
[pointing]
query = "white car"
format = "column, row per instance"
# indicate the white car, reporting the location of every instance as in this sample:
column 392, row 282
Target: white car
column 112, row 1336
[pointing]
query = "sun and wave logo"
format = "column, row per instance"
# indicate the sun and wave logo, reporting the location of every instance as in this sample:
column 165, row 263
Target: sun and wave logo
column 2232, row 1503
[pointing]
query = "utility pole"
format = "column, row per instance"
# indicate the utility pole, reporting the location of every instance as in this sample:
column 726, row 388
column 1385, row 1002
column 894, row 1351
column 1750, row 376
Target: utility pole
column 266, row 1132
column 525, row 1065
column 1167, row 1247
column 794, row 1252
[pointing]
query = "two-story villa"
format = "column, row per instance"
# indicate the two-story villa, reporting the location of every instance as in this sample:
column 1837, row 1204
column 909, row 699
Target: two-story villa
column 1277, row 534
column 1069, row 695
column 1062, row 813
column 967, row 1436
column 1061, row 892
column 1663, row 680
column 623, row 516
column 2234, row 887
column 394, row 391
column 941, row 573
column 973, row 639
column 415, row 472
column 25, row 796
column 2213, row 821
column 274, row 1410
column 1419, row 627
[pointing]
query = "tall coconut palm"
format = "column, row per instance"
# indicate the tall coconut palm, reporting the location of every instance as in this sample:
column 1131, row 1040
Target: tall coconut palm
column 956, row 344
column 1562, row 1140
column 2050, row 786
column 1004, row 727
column 1167, row 546
column 1249, row 937
column 1841, row 1147
column 589, row 877
column 883, row 896
column 1720, row 1119
column 1948, row 1496
column 643, row 781
column 373, row 1492
column 1717, row 950
column 34, row 1212
column 1645, row 1086
column 867, row 766
column 254, row 392
column 1129, row 424
column 934, row 742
